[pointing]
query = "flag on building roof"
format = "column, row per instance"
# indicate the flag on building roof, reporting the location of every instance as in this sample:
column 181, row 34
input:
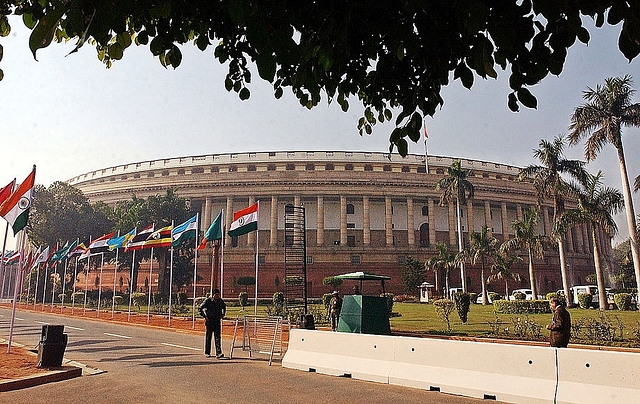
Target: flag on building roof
column 137, row 242
column 213, row 233
column 184, row 231
column 159, row 238
column 100, row 245
column 15, row 209
column 78, row 250
column 244, row 221
column 121, row 241
column 6, row 191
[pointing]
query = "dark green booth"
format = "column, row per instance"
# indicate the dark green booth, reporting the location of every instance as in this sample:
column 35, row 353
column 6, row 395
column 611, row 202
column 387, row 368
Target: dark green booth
column 362, row 313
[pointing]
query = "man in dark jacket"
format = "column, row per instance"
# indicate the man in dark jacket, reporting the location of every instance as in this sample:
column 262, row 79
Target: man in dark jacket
column 560, row 326
column 213, row 309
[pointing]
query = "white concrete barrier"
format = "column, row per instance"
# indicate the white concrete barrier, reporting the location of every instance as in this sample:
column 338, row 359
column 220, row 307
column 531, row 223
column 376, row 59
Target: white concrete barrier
column 361, row 356
column 511, row 373
column 503, row 372
column 589, row 376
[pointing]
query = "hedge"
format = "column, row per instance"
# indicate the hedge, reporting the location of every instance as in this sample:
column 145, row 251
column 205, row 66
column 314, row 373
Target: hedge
column 521, row 306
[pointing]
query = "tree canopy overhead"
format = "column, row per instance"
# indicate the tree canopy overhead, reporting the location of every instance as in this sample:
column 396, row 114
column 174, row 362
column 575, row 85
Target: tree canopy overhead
column 394, row 56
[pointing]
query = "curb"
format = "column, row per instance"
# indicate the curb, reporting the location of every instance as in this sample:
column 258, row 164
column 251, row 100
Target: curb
column 56, row 375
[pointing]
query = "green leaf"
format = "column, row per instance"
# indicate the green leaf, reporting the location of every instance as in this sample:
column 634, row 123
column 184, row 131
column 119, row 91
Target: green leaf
column 237, row 11
column 278, row 93
column 1, row 52
column 244, row 94
column 513, row 102
column 42, row 34
column 5, row 28
column 403, row 147
column 115, row 51
column 583, row 35
column 1, row 74
column 465, row 74
column 202, row 42
column 142, row 38
column 175, row 57
column 29, row 22
column 527, row 99
column 228, row 84
column 156, row 47
column 266, row 67
column 388, row 114
column 629, row 48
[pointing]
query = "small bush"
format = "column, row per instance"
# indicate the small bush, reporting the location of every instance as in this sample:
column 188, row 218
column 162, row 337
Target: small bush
column 622, row 301
column 243, row 298
column 326, row 299
column 519, row 296
column 473, row 297
column 278, row 303
column 521, row 306
column 389, row 297
column 138, row 299
column 494, row 296
column 443, row 308
column 584, row 300
column 181, row 298
column 550, row 295
column 463, row 303
column 118, row 300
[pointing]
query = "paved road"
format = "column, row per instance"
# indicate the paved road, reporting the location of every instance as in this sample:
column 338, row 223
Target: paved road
column 145, row 365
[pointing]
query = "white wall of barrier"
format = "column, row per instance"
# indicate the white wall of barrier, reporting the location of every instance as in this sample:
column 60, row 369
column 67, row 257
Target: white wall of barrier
column 510, row 373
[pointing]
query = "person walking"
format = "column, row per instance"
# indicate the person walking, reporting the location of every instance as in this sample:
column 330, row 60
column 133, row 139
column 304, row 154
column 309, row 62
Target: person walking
column 560, row 326
column 213, row 309
column 335, row 305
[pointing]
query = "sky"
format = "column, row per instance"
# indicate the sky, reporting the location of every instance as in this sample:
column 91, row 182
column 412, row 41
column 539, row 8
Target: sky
column 69, row 115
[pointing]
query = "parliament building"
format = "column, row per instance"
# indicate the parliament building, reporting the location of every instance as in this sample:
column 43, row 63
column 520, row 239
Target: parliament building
column 364, row 211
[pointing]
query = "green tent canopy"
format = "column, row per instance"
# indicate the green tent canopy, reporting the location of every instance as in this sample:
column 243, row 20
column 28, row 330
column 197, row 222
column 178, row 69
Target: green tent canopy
column 364, row 276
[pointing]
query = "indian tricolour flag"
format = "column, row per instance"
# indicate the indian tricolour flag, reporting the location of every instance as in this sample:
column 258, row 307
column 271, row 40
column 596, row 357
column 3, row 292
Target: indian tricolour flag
column 244, row 221
column 15, row 209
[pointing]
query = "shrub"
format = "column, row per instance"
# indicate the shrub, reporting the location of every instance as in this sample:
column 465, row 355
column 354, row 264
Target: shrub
column 494, row 296
column 199, row 300
column 278, row 303
column 519, row 296
column 326, row 299
column 181, row 298
column 584, row 300
column 550, row 295
column 463, row 302
column 77, row 297
column 473, row 297
column 443, row 309
column 521, row 306
column 406, row 299
column 622, row 301
column 138, row 299
column 526, row 328
column 389, row 297
column 243, row 297
column 118, row 300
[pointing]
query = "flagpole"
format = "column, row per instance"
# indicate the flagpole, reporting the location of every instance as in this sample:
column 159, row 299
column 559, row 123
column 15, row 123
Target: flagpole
column 64, row 281
column 2, row 266
column 53, row 286
column 115, row 275
column 133, row 263
column 195, row 274
column 75, row 278
column 35, row 292
column 21, row 278
column 15, row 294
column 86, row 281
column 44, row 286
column 26, row 302
column 255, row 306
column 100, row 283
column 170, row 277
column 150, row 285
column 426, row 154
column 222, row 224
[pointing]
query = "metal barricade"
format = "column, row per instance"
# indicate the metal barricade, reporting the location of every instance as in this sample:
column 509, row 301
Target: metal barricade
column 261, row 335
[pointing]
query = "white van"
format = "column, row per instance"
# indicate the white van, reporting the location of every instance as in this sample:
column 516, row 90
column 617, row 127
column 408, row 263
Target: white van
column 592, row 289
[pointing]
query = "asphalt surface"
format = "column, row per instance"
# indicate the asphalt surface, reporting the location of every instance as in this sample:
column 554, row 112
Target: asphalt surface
column 138, row 364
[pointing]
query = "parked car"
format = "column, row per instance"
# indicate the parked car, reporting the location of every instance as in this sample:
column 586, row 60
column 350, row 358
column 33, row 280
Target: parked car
column 528, row 293
column 479, row 298
column 593, row 290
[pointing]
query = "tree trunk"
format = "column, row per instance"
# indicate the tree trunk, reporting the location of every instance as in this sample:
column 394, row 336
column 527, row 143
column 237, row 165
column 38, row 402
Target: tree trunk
column 485, row 298
column 532, row 277
column 563, row 270
column 631, row 224
column 602, row 296
column 463, row 278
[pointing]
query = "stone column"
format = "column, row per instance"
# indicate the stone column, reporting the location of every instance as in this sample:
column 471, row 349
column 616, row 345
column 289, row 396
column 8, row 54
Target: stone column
column 519, row 212
column 205, row 221
column 453, row 240
column 366, row 221
column 470, row 219
column 411, row 234
column 320, row 221
column 432, row 221
column 273, row 221
column 569, row 238
column 388, row 221
column 343, row 220
column 586, row 237
column 487, row 218
column 228, row 218
column 547, row 220
column 251, row 237
column 505, row 221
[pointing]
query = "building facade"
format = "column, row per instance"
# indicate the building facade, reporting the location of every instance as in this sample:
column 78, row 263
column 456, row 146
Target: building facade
column 363, row 212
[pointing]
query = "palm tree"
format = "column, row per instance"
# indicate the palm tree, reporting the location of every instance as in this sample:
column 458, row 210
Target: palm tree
column 446, row 260
column 501, row 270
column 482, row 247
column 456, row 185
column 525, row 237
column 548, row 182
column 596, row 206
column 608, row 108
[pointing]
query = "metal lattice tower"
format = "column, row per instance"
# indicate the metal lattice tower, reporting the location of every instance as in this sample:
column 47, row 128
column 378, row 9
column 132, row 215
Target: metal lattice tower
column 295, row 257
